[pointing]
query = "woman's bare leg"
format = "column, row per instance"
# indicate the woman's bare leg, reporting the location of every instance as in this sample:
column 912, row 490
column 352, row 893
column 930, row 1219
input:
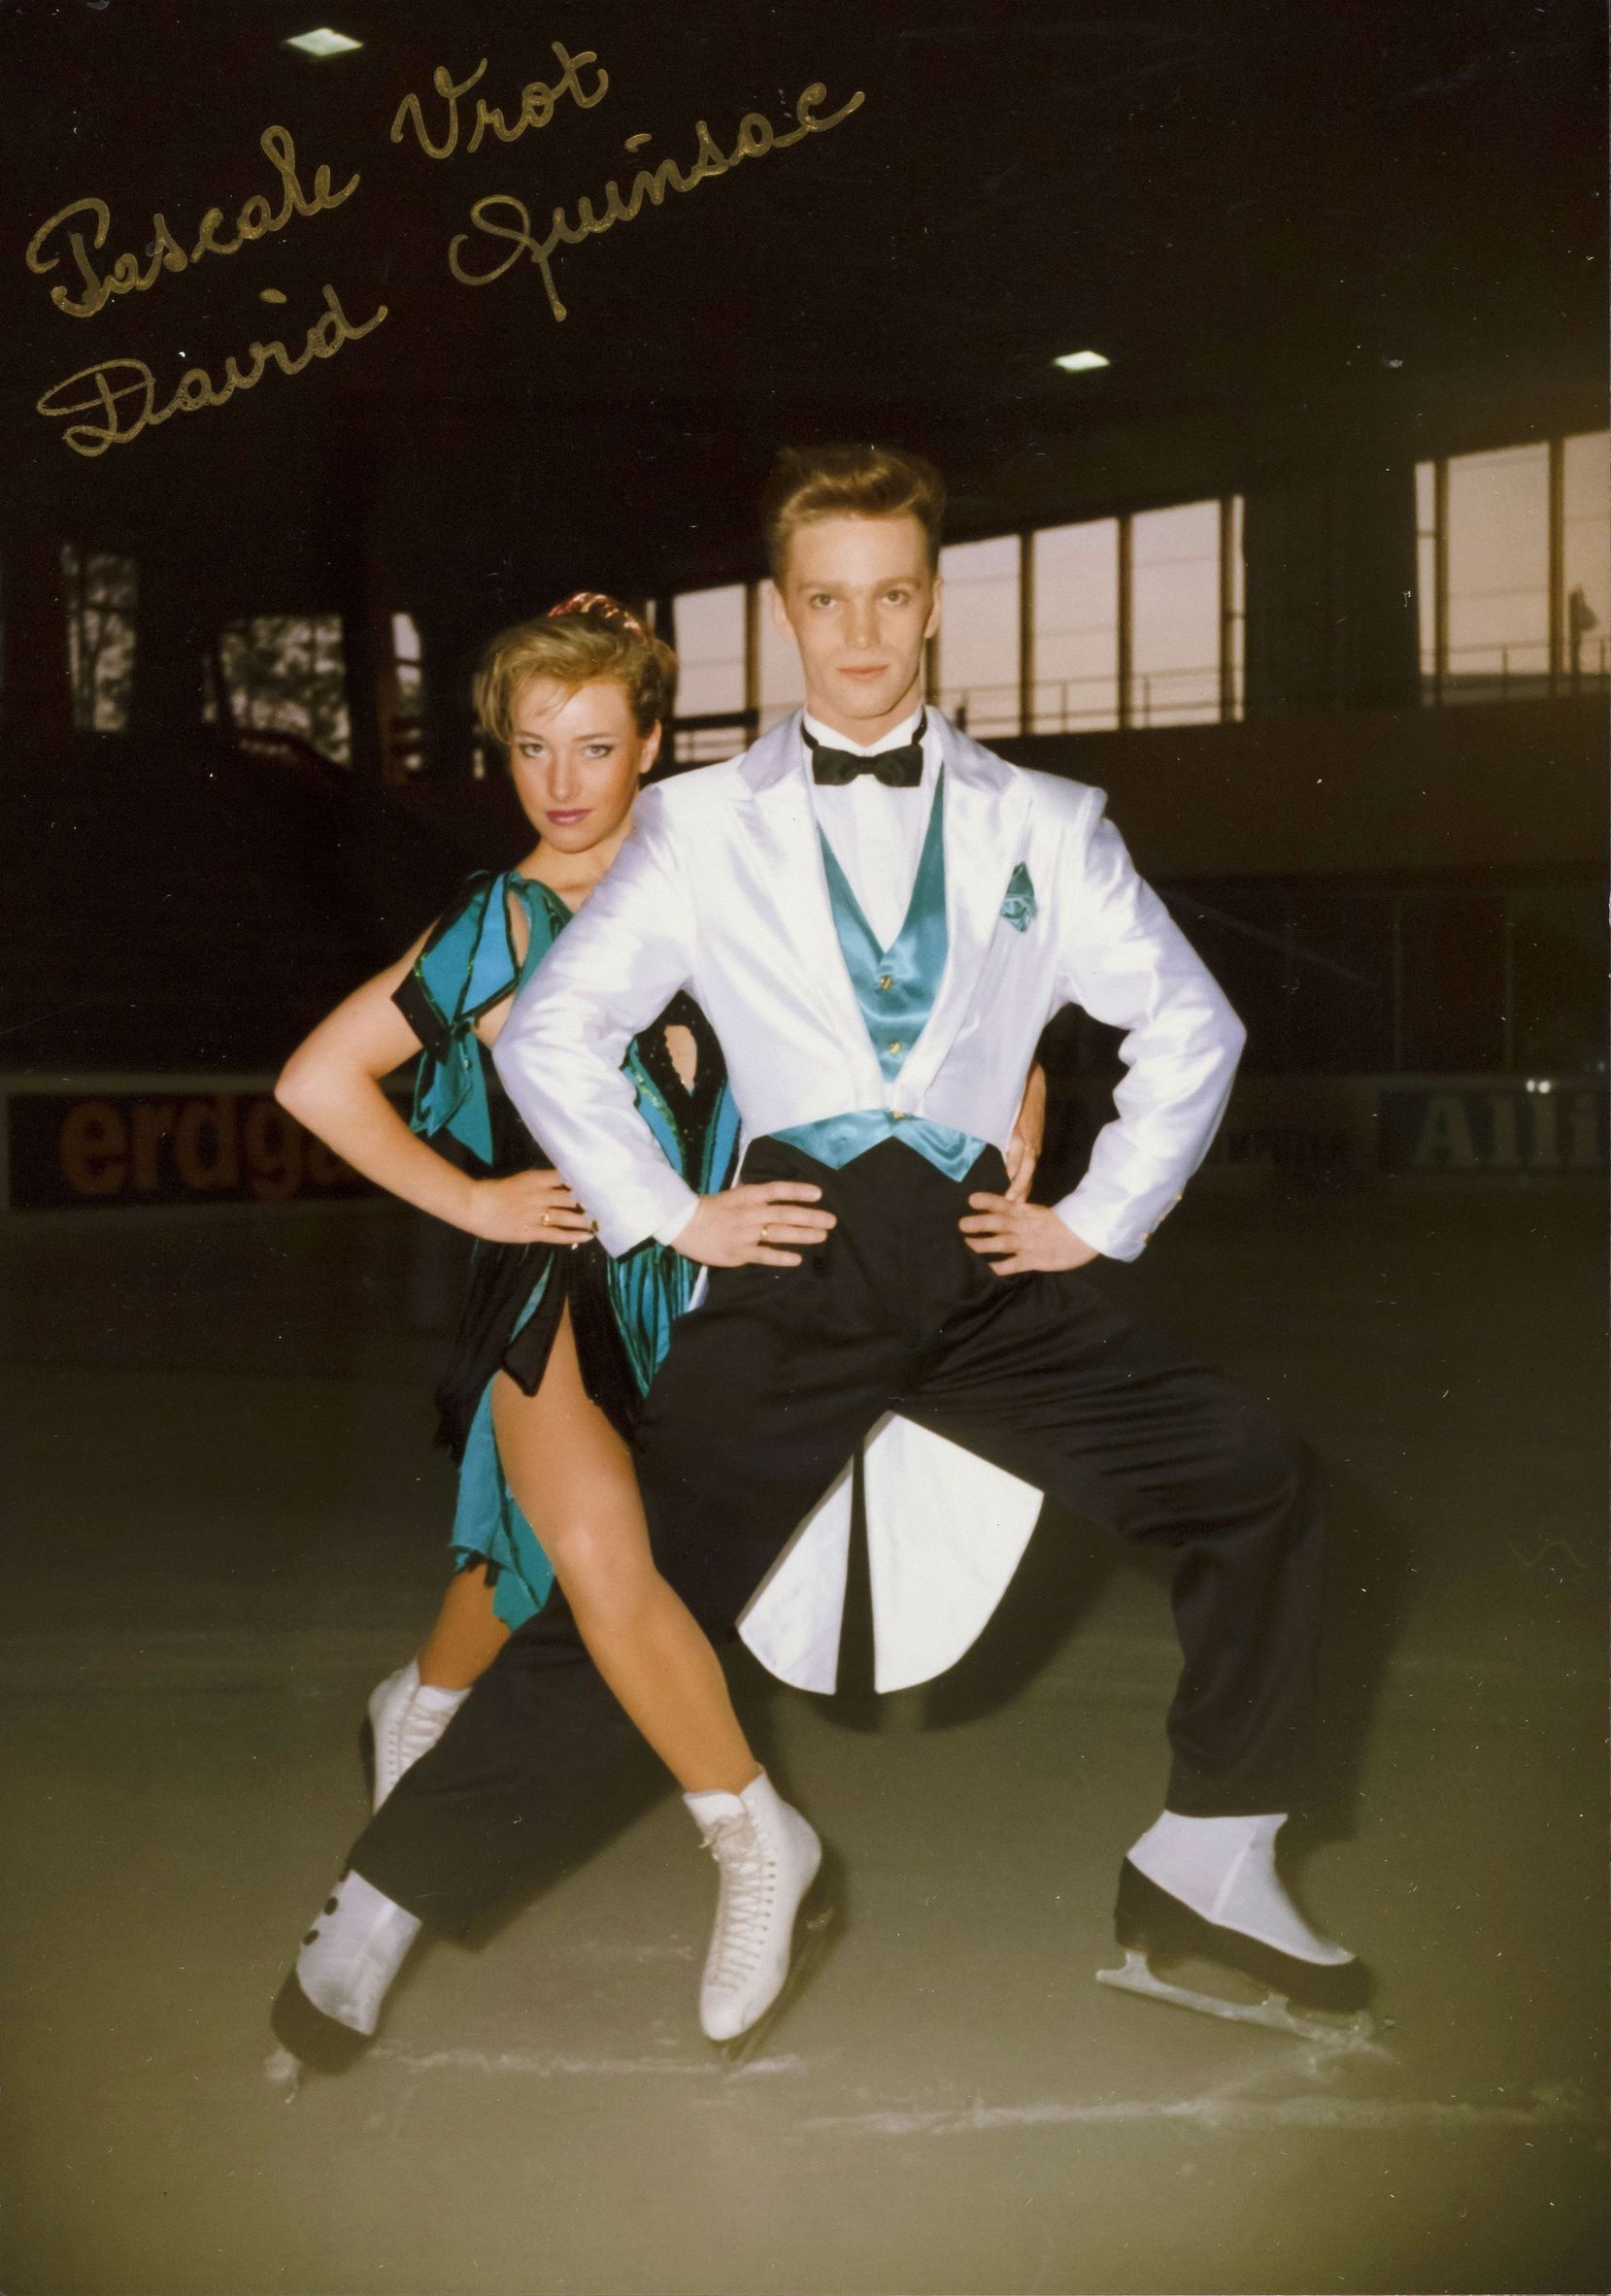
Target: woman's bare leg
column 467, row 1636
column 572, row 1476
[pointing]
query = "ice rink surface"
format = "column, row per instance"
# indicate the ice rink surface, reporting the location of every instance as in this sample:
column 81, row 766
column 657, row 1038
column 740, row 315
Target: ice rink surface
column 224, row 1522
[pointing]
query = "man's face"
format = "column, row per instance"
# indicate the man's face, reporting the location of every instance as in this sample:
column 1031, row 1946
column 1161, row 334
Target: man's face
column 860, row 598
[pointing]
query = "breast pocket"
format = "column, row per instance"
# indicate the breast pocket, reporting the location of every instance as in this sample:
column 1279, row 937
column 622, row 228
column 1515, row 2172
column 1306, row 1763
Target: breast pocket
column 1014, row 967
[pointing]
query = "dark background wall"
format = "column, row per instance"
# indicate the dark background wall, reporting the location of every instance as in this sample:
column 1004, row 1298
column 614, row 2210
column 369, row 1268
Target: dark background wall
column 1317, row 247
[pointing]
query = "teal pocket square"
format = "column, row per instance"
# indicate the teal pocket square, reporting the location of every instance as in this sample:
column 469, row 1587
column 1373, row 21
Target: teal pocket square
column 1020, row 905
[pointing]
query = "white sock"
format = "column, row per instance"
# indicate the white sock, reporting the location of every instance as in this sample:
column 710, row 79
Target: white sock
column 709, row 1806
column 760, row 1796
column 438, row 1702
column 1224, row 1867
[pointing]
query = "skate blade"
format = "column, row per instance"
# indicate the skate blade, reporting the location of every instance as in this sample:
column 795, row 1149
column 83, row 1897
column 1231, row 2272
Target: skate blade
column 817, row 1930
column 1275, row 2012
column 314, row 2042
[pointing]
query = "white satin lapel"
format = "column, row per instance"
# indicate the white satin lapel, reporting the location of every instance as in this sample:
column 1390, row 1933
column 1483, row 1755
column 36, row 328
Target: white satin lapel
column 781, row 828
column 986, row 823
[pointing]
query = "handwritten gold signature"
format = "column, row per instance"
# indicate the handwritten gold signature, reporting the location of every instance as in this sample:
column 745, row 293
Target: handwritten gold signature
column 538, row 103
column 121, row 395
column 122, row 392
column 255, row 220
column 501, row 216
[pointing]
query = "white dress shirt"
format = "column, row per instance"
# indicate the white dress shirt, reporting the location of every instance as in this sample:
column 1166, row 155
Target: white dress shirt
column 877, row 832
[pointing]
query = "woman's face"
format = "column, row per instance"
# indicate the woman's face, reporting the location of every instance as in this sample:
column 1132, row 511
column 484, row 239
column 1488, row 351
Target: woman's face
column 577, row 758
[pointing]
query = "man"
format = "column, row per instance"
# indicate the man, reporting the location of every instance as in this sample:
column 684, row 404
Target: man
column 878, row 916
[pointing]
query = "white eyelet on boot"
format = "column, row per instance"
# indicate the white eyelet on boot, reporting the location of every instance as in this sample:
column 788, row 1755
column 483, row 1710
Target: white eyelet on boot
column 769, row 1857
column 406, row 1719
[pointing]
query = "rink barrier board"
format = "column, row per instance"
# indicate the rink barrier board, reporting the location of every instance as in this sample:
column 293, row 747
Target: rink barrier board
column 1472, row 1126
column 124, row 1143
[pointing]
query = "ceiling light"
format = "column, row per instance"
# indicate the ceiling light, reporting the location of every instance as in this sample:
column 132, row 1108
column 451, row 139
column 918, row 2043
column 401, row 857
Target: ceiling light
column 323, row 42
column 1079, row 362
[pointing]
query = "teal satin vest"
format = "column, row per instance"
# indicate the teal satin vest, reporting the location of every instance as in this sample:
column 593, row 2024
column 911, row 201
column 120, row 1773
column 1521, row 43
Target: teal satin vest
column 895, row 988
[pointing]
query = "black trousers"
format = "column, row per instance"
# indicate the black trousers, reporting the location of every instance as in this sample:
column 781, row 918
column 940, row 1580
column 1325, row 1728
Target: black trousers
column 768, row 1386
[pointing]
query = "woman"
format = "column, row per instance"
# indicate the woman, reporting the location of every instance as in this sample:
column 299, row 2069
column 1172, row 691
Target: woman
column 559, row 1342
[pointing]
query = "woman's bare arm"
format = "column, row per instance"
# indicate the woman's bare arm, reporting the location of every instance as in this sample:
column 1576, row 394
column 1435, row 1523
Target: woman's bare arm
column 332, row 1085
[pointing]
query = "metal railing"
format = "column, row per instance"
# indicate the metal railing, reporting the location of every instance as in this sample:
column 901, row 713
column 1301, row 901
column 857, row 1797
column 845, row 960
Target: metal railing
column 1516, row 673
column 1091, row 704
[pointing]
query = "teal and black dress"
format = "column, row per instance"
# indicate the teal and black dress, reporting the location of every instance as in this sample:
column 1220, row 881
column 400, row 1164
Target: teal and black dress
column 621, row 1310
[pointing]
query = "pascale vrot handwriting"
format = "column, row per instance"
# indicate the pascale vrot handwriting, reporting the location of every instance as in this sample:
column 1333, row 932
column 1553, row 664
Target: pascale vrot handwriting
column 539, row 100
column 121, row 394
column 256, row 219
column 116, row 400
column 500, row 216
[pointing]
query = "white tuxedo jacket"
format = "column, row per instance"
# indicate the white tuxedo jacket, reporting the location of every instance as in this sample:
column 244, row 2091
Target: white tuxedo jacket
column 719, row 889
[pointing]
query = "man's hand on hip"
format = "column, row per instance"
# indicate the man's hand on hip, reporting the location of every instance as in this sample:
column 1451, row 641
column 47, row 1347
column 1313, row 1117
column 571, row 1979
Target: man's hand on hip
column 754, row 1226
column 1023, row 1239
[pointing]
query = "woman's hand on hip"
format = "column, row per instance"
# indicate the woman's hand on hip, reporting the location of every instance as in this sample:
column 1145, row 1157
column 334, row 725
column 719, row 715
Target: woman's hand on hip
column 527, row 1208
column 1023, row 1239
column 756, row 1225
column 1028, row 1135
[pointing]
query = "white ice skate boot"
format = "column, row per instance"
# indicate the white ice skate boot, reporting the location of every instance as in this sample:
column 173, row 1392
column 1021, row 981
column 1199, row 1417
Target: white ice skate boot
column 406, row 1719
column 769, row 1857
column 326, row 2010
column 1206, row 1890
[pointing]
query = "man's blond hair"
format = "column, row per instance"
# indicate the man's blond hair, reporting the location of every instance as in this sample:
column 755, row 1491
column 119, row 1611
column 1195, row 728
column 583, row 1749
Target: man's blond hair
column 810, row 482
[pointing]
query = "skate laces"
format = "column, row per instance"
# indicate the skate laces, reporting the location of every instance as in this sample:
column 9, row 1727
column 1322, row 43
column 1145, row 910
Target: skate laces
column 748, row 1893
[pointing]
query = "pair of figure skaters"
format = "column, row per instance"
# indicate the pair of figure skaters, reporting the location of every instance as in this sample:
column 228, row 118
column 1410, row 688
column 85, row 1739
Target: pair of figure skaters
column 832, row 958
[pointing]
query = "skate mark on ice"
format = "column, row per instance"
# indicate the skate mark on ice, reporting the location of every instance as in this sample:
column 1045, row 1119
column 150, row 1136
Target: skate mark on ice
column 1551, row 2107
column 596, row 1951
column 553, row 2065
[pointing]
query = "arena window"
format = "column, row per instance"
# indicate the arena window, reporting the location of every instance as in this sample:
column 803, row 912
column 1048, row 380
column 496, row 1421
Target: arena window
column 1074, row 629
column 1122, row 622
column 99, row 589
column 1514, row 561
column 405, row 721
column 778, row 664
column 714, row 641
column 284, row 673
column 975, row 671
column 1176, row 616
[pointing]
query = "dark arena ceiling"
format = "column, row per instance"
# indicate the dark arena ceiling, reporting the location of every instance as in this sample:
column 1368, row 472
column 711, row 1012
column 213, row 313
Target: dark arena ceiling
column 1273, row 220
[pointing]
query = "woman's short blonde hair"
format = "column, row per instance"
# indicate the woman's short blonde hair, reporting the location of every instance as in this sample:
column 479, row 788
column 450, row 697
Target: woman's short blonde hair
column 586, row 635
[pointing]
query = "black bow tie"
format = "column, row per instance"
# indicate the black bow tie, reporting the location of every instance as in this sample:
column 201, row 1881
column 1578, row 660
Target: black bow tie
column 896, row 769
